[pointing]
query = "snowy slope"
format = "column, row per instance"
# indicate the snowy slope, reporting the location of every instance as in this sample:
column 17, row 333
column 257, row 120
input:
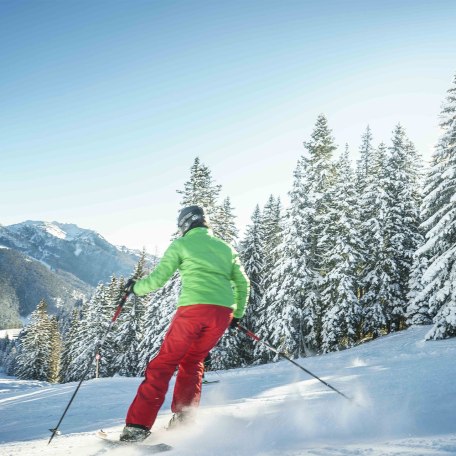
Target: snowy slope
column 405, row 391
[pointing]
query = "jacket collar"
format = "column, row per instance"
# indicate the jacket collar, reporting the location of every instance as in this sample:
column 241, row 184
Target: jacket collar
column 199, row 229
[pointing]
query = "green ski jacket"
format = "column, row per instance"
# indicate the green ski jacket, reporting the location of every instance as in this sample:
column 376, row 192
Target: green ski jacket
column 210, row 271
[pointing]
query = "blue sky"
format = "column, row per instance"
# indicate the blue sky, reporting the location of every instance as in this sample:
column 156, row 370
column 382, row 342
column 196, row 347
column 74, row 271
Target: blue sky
column 105, row 105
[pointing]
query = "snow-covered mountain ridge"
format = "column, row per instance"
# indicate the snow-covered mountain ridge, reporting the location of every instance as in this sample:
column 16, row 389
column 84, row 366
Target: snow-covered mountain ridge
column 404, row 390
column 81, row 252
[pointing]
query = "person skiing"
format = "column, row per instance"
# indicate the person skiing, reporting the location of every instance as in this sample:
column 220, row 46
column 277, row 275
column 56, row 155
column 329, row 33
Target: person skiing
column 213, row 297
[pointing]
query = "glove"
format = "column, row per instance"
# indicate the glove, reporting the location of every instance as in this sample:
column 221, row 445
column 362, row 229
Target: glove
column 234, row 323
column 129, row 286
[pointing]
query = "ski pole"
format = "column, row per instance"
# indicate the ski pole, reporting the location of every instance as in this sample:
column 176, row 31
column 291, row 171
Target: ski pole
column 120, row 305
column 283, row 355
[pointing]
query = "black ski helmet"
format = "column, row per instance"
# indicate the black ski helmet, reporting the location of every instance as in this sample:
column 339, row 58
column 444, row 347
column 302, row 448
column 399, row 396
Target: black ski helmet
column 189, row 216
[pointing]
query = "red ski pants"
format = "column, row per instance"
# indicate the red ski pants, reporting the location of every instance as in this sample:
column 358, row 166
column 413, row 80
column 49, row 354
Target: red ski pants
column 193, row 332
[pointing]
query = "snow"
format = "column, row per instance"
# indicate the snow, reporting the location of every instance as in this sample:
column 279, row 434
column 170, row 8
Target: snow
column 404, row 404
column 63, row 231
column 11, row 333
column 54, row 230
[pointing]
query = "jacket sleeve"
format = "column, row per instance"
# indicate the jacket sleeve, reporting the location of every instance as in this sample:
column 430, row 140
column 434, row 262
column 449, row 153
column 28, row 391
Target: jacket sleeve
column 241, row 287
column 161, row 274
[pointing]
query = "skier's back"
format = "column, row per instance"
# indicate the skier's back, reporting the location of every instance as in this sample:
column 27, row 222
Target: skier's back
column 209, row 270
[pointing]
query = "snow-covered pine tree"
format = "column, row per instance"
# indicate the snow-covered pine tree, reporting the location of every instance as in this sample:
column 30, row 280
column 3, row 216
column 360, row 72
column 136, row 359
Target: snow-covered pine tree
column 342, row 312
column 418, row 312
column 33, row 361
column 366, row 184
column 272, row 238
column 96, row 316
column 225, row 221
column 365, row 162
column 291, row 278
column 439, row 215
column 390, row 230
column 158, row 315
column 69, row 341
column 130, row 328
column 296, row 307
column 375, row 280
column 4, row 343
column 6, row 346
column 252, row 256
column 271, row 222
column 9, row 360
column 201, row 190
column 129, row 335
column 113, row 341
column 87, row 336
column 402, row 223
column 55, row 351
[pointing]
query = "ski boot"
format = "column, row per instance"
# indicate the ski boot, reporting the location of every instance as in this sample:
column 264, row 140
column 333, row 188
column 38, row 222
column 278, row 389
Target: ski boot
column 180, row 419
column 134, row 433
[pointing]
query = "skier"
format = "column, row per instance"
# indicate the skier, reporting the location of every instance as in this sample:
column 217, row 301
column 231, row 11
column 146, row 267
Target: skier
column 213, row 297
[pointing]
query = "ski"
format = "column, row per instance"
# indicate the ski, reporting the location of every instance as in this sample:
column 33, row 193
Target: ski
column 152, row 448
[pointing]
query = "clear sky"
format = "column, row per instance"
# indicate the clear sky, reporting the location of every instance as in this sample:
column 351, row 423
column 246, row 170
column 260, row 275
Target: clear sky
column 104, row 105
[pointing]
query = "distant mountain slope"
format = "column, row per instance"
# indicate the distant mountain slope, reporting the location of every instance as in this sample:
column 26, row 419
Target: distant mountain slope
column 66, row 247
column 25, row 281
column 55, row 261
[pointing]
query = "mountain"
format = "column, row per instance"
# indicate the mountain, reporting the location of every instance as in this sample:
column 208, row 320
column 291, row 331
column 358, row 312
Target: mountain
column 24, row 281
column 66, row 247
column 405, row 405
column 57, row 262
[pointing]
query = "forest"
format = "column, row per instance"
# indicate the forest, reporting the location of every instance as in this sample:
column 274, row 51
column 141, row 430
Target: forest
column 361, row 250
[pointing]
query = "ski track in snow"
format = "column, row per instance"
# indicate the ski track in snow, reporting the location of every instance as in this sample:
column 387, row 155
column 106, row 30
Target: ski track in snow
column 404, row 404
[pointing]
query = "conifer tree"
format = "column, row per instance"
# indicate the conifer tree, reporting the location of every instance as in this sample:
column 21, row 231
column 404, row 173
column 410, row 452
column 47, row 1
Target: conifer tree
column 113, row 340
column 33, row 362
column 130, row 328
column 439, row 215
column 10, row 358
column 225, row 220
column 365, row 162
column 366, row 185
column 68, row 344
column 88, row 335
column 402, row 224
column 55, row 351
column 272, row 232
column 296, row 305
column 252, row 257
column 158, row 315
column 272, row 238
column 7, row 354
column 342, row 313
column 418, row 312
column 201, row 190
column 375, row 279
